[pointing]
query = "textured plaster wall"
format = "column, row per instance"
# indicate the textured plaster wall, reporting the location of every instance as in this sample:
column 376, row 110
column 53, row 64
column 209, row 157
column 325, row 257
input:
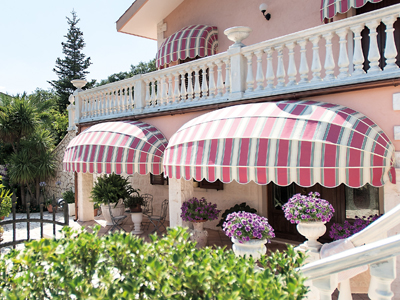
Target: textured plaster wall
column 67, row 179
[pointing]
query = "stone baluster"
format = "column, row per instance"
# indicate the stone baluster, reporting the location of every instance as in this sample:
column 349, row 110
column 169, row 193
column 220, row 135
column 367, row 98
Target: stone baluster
column 211, row 84
column 153, row 93
column 292, row 70
column 260, row 72
column 147, row 99
column 197, row 89
column 303, row 69
column 97, row 104
column 108, row 102
column 390, row 47
column 280, row 70
column 101, row 103
column 382, row 275
column 71, row 108
column 91, row 105
column 269, row 76
column 131, row 98
column 190, row 85
column 126, row 99
column 183, row 86
column 358, row 56
column 177, row 93
column 83, row 99
column 170, row 92
column 343, row 61
column 118, row 96
column 227, row 63
column 329, row 65
column 249, row 77
column 204, row 83
column 316, row 61
column 326, row 286
column 164, row 90
column 220, row 81
column 373, row 54
column 112, row 102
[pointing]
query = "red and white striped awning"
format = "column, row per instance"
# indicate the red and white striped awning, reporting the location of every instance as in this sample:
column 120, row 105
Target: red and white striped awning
column 191, row 41
column 329, row 8
column 304, row 142
column 121, row 147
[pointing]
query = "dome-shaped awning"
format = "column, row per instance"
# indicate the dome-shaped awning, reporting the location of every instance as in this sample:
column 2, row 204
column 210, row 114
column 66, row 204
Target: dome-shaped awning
column 191, row 41
column 120, row 147
column 304, row 142
column 329, row 8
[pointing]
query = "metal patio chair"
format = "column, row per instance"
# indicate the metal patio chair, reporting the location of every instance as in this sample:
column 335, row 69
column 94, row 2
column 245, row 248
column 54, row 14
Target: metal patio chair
column 147, row 209
column 115, row 220
column 158, row 221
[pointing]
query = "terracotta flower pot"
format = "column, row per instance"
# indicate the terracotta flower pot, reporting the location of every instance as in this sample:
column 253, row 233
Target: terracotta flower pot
column 50, row 208
column 96, row 212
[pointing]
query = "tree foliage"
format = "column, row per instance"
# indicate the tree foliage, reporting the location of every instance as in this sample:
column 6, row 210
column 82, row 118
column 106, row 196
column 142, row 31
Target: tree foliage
column 140, row 68
column 74, row 65
column 123, row 266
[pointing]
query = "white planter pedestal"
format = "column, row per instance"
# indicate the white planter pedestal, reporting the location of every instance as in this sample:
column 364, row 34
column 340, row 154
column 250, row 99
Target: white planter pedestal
column 71, row 209
column 137, row 218
column 199, row 235
column 311, row 231
column 255, row 248
column 119, row 210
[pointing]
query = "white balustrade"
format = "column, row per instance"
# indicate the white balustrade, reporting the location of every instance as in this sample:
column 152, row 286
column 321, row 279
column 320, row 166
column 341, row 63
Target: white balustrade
column 239, row 73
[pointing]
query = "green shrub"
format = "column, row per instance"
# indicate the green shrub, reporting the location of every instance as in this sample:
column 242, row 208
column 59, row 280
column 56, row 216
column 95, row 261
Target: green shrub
column 238, row 207
column 69, row 196
column 5, row 200
column 123, row 266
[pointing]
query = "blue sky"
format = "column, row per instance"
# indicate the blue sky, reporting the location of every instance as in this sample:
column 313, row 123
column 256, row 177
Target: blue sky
column 31, row 33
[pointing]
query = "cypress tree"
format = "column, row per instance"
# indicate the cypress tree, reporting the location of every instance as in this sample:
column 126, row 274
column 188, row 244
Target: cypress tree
column 73, row 65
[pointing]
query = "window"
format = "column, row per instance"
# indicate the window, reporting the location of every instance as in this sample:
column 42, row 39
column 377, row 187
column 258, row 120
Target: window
column 364, row 201
column 158, row 179
column 216, row 185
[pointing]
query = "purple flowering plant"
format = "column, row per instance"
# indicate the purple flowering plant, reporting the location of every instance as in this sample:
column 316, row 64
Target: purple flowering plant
column 308, row 208
column 244, row 226
column 345, row 230
column 199, row 209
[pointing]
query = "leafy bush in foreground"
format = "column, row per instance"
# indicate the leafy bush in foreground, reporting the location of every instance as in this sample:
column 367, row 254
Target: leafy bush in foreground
column 122, row 266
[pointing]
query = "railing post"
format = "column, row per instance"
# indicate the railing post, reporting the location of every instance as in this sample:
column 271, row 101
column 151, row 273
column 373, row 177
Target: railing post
column 382, row 275
column 139, row 94
column 238, row 73
column 326, row 286
column 79, row 84
column 71, row 113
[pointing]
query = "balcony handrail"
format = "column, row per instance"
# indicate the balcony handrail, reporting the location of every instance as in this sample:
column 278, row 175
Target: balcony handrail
column 357, row 20
column 356, row 257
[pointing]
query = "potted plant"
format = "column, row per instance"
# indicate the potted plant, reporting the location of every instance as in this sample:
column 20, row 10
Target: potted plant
column 310, row 213
column 135, row 201
column 249, row 233
column 199, row 211
column 113, row 189
column 1, row 233
column 236, row 208
column 49, row 205
column 96, row 207
column 69, row 197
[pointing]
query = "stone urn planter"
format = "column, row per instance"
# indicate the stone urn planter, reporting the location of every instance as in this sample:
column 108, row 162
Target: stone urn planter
column 255, row 247
column 238, row 34
column 199, row 234
column 119, row 210
column 137, row 218
column 312, row 231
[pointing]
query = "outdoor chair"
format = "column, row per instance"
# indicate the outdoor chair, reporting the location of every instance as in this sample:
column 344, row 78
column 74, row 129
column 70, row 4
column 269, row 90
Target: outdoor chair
column 158, row 221
column 147, row 209
column 115, row 220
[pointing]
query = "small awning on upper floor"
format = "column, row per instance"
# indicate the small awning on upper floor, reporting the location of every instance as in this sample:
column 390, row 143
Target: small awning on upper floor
column 189, row 42
column 329, row 8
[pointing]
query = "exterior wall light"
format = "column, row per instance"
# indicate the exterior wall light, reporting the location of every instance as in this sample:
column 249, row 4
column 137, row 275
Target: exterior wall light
column 263, row 8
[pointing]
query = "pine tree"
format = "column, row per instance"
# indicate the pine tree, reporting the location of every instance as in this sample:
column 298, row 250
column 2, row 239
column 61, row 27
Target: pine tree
column 73, row 66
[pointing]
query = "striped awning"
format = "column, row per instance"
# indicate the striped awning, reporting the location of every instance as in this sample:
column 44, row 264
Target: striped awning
column 329, row 8
column 304, row 142
column 120, row 147
column 191, row 41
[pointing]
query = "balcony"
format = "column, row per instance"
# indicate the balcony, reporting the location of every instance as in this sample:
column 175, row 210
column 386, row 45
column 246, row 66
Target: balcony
column 311, row 61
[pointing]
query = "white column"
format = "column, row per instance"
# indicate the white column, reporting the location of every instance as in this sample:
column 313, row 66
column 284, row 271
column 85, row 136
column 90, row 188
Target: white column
column 180, row 190
column 238, row 73
column 85, row 206
column 71, row 114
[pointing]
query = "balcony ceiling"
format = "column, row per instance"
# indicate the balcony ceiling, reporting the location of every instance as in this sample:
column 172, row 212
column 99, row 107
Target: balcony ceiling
column 142, row 17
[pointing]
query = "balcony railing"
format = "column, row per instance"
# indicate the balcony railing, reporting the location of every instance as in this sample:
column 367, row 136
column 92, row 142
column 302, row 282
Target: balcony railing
column 329, row 55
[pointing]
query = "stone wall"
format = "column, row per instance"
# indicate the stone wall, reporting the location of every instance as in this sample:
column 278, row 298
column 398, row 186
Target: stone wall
column 66, row 179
